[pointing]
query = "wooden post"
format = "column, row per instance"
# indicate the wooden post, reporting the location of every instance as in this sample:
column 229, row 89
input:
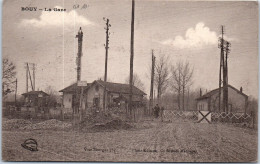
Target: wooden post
column 30, row 77
column 152, row 84
column 26, row 77
column 78, row 62
column 80, row 105
column 221, row 65
column 132, row 56
column 105, row 76
column 34, row 76
column 106, row 46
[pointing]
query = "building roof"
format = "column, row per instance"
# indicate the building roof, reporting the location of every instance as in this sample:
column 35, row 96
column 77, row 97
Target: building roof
column 111, row 87
column 72, row 88
column 209, row 94
column 35, row 93
column 126, row 98
column 120, row 88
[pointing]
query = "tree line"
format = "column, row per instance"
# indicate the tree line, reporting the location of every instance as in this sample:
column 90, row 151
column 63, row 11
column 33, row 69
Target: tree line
column 176, row 78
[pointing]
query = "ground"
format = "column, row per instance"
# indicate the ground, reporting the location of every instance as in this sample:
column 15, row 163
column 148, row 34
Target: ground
column 161, row 142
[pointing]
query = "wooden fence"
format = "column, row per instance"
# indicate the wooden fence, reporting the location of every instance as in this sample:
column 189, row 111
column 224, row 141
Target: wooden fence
column 138, row 113
column 216, row 117
column 33, row 113
column 174, row 115
column 231, row 117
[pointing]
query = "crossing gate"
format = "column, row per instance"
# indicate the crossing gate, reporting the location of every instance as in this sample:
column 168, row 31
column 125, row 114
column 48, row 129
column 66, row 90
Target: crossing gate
column 231, row 117
column 173, row 115
column 204, row 117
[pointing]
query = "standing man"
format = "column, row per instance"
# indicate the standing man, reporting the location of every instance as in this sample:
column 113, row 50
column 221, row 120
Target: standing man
column 156, row 111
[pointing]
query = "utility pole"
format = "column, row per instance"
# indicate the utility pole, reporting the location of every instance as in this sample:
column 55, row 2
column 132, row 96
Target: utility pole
column 221, row 46
column 26, row 67
column 78, row 62
column 30, row 77
column 106, row 47
column 34, row 76
column 80, row 39
column 225, row 78
column 131, row 56
column 224, row 46
column 152, row 81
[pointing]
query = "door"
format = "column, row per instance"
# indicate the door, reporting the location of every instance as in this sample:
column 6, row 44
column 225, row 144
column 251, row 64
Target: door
column 96, row 102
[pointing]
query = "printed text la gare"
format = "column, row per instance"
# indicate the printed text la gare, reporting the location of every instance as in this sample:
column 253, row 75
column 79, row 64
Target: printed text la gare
column 44, row 9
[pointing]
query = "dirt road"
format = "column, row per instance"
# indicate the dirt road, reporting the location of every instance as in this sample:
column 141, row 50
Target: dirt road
column 168, row 142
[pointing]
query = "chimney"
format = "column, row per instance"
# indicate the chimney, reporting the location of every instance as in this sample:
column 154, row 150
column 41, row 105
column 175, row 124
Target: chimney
column 241, row 89
column 200, row 92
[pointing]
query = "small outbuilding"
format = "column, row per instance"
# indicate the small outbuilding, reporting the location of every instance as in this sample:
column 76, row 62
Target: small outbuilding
column 116, row 94
column 69, row 100
column 94, row 94
column 35, row 98
column 237, row 100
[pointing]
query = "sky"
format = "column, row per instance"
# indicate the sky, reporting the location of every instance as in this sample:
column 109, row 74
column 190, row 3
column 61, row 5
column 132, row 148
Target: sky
column 184, row 31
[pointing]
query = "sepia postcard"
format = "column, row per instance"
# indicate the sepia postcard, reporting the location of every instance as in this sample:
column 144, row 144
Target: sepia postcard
column 130, row 81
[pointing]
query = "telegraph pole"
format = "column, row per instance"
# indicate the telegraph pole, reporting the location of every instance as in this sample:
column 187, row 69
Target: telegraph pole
column 152, row 81
column 26, row 67
column 225, row 78
column 224, row 46
column 132, row 56
column 221, row 46
column 106, row 47
column 30, row 76
column 80, row 39
column 34, row 76
column 78, row 62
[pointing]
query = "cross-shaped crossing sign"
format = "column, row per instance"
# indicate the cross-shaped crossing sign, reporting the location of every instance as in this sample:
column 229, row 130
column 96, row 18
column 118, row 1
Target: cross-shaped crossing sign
column 204, row 117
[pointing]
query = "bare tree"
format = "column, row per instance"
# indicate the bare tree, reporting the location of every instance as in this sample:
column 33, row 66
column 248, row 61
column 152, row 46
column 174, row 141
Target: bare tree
column 161, row 75
column 54, row 96
column 181, row 80
column 176, row 82
column 137, row 82
column 8, row 76
column 186, row 74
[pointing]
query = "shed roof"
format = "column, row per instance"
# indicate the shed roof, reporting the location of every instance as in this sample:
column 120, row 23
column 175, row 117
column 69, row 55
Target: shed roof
column 35, row 93
column 111, row 87
column 126, row 98
column 215, row 91
column 72, row 88
column 120, row 88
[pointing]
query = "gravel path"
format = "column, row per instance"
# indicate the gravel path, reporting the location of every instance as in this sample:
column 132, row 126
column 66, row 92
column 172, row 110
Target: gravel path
column 167, row 142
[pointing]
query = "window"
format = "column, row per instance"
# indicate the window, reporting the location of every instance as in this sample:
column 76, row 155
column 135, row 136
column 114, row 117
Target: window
column 96, row 102
column 97, row 88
